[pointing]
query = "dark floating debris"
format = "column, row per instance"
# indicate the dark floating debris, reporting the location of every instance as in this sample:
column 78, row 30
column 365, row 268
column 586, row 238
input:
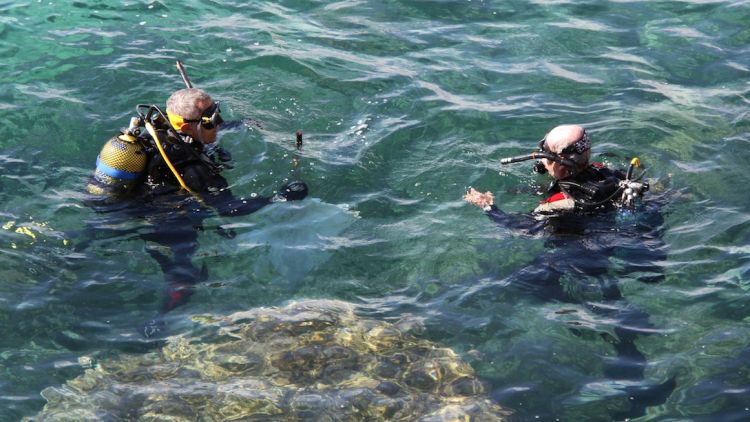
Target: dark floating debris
column 298, row 143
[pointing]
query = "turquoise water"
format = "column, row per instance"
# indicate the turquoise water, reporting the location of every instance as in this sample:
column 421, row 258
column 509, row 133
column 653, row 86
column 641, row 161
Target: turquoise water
column 404, row 104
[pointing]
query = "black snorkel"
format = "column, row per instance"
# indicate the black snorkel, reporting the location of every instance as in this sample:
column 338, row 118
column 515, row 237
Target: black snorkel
column 538, row 155
column 183, row 74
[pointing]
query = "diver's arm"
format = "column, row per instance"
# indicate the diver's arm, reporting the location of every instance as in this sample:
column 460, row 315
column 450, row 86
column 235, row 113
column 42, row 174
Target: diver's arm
column 227, row 205
column 214, row 191
column 520, row 223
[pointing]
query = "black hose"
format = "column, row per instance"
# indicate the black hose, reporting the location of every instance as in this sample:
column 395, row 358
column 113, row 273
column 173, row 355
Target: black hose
column 586, row 203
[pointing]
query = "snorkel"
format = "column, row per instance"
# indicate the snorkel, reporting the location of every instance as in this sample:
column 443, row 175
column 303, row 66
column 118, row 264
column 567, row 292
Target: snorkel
column 183, row 74
column 539, row 154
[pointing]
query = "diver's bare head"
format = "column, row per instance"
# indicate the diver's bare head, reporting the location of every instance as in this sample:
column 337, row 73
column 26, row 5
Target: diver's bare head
column 571, row 142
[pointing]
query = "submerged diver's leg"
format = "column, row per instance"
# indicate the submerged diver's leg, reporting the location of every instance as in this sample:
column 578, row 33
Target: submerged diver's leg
column 180, row 236
column 641, row 398
column 544, row 279
column 170, row 228
column 181, row 277
column 646, row 262
column 629, row 363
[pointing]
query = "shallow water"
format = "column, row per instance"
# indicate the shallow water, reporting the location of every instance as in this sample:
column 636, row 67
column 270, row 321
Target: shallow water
column 403, row 104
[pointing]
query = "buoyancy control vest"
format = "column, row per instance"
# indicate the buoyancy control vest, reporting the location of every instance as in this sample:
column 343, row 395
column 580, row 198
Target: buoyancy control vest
column 594, row 188
column 198, row 171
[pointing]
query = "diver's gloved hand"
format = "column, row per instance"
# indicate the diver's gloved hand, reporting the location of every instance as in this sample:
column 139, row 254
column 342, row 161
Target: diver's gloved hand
column 292, row 191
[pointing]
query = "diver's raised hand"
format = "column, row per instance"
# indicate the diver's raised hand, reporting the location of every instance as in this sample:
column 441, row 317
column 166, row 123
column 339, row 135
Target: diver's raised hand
column 479, row 199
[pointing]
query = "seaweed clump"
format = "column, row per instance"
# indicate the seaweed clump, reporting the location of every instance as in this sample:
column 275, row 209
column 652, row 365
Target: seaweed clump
column 310, row 361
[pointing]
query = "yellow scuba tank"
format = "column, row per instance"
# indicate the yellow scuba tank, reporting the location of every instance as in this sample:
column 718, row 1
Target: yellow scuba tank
column 121, row 165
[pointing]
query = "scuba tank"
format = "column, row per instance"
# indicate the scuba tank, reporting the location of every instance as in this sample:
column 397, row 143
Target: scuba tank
column 121, row 164
column 126, row 160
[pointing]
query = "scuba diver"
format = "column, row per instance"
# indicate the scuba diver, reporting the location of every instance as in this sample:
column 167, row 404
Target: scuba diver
column 140, row 172
column 579, row 219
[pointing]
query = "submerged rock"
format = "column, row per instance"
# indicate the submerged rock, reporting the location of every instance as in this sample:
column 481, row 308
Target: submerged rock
column 309, row 361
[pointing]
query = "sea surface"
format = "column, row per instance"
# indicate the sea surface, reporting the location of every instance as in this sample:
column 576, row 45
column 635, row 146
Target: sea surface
column 403, row 106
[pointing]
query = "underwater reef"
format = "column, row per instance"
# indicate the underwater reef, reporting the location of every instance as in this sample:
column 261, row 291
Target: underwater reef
column 313, row 360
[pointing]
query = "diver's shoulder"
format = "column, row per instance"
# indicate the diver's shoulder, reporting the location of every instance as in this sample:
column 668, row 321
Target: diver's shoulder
column 603, row 171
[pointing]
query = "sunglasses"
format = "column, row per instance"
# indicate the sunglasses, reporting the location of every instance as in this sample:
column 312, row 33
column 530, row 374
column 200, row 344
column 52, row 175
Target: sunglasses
column 210, row 118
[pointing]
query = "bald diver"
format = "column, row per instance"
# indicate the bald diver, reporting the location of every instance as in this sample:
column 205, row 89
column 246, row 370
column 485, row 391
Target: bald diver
column 577, row 221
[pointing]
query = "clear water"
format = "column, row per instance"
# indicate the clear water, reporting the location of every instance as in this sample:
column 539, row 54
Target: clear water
column 403, row 104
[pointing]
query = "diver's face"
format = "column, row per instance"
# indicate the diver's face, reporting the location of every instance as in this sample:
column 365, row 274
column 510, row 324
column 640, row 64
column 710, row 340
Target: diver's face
column 206, row 136
column 198, row 131
column 556, row 170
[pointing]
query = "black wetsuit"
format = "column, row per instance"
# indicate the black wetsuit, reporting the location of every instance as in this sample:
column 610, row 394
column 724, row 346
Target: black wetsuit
column 176, row 219
column 200, row 173
column 580, row 223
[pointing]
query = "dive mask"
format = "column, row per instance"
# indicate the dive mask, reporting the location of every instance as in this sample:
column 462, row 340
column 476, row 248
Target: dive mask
column 573, row 152
column 210, row 119
column 580, row 146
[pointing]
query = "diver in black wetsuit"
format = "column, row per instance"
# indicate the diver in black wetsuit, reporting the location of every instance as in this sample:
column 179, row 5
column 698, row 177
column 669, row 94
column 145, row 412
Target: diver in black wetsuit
column 140, row 172
column 578, row 217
